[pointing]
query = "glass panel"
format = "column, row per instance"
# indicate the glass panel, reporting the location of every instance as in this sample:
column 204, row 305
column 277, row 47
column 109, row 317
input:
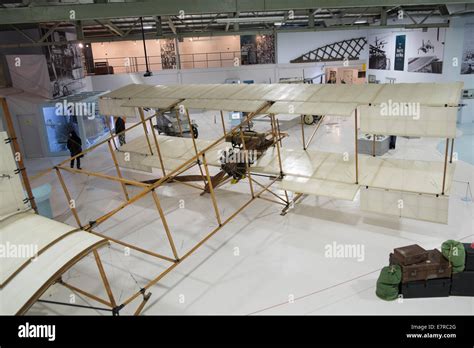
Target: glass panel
column 57, row 129
column 95, row 128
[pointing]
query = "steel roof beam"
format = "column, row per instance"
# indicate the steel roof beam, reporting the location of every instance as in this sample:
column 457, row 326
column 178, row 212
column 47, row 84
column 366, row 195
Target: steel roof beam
column 152, row 35
column 22, row 33
column 67, row 12
column 172, row 26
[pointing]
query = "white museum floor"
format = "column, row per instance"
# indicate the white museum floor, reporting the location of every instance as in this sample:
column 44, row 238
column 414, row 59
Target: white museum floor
column 261, row 262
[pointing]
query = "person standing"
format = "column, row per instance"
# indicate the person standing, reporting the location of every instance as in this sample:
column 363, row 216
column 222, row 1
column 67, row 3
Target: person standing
column 393, row 141
column 120, row 127
column 74, row 145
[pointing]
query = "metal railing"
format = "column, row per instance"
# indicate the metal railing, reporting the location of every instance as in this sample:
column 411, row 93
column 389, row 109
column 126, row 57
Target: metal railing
column 209, row 60
column 188, row 61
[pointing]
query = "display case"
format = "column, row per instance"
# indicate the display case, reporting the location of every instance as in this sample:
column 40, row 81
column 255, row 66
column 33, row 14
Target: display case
column 80, row 113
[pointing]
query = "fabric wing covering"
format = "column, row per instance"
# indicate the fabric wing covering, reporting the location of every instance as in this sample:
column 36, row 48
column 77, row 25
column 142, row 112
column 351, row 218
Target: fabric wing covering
column 54, row 247
column 381, row 109
column 26, row 237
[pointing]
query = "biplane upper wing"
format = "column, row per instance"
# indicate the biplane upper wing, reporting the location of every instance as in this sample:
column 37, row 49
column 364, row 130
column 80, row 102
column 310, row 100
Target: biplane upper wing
column 315, row 172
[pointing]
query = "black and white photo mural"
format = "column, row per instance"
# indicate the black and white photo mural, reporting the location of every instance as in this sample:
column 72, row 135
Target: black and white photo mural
column 425, row 50
column 65, row 67
column 467, row 64
column 419, row 50
column 381, row 51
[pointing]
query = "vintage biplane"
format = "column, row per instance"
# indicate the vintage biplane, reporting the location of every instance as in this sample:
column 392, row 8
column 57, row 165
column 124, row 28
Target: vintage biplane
column 302, row 170
column 423, row 186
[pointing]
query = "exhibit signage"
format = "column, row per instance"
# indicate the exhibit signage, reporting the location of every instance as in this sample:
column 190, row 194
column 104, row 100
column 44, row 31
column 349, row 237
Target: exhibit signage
column 400, row 52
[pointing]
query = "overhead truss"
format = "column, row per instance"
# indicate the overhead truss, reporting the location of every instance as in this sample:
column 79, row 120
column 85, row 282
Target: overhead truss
column 119, row 21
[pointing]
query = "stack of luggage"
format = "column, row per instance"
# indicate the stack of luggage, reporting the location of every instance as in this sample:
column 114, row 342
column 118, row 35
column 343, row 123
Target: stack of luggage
column 418, row 273
column 463, row 282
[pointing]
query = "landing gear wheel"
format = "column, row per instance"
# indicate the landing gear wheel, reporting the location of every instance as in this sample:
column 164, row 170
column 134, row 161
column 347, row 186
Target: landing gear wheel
column 308, row 119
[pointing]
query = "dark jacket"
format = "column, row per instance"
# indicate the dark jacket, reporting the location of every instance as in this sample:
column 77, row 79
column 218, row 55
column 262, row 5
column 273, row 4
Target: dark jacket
column 119, row 125
column 74, row 143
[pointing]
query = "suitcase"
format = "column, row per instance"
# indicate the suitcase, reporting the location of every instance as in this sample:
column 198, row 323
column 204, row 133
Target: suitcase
column 410, row 254
column 469, row 256
column 426, row 288
column 435, row 267
column 462, row 284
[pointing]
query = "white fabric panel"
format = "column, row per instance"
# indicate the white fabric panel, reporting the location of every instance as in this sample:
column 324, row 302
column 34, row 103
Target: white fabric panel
column 291, row 92
column 405, row 175
column 190, row 91
column 174, row 151
column 319, row 187
column 29, row 282
column 224, row 91
column 11, row 188
column 428, row 121
column 163, row 103
column 429, row 94
column 113, row 107
column 405, row 204
column 389, row 173
column 172, row 163
column 309, row 108
column 159, row 91
column 27, row 229
column 32, row 76
column 127, row 91
column 253, row 92
column 308, row 164
column 361, row 94
column 222, row 104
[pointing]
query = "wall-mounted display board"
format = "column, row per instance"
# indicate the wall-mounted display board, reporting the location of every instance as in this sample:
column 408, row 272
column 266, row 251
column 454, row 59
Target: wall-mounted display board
column 168, row 54
column 381, row 51
column 412, row 51
column 425, row 50
column 65, row 64
column 467, row 65
column 400, row 48
column 257, row 49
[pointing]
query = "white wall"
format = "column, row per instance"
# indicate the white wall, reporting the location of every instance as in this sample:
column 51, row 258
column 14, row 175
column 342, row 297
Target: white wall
column 117, row 52
column 264, row 73
column 453, row 48
column 292, row 45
